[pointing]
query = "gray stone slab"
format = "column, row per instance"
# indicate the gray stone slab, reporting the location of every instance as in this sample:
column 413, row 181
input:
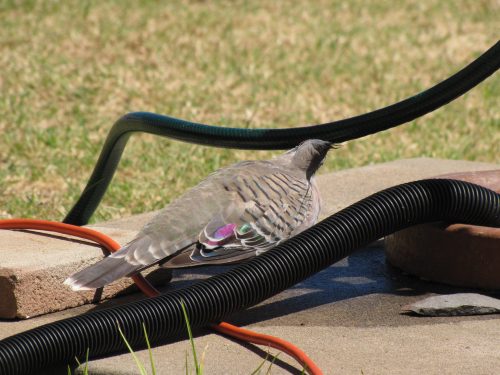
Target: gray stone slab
column 347, row 317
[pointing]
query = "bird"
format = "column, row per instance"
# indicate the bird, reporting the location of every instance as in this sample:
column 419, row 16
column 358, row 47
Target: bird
column 236, row 213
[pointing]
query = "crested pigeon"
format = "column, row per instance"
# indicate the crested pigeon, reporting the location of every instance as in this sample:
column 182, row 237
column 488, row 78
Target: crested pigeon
column 236, row 213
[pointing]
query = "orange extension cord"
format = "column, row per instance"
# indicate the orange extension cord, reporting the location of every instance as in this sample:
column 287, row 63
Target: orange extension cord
column 150, row 291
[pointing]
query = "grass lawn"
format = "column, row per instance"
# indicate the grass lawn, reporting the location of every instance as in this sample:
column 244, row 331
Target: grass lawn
column 69, row 69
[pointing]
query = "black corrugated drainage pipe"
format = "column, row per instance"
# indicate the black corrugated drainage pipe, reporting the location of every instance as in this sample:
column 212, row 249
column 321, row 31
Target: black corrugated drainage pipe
column 216, row 298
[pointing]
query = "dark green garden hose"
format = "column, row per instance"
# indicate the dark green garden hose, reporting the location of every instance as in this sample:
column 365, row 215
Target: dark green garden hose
column 269, row 139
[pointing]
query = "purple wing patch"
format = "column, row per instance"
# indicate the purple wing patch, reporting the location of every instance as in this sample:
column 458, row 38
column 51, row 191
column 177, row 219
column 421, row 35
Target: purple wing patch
column 224, row 232
column 221, row 235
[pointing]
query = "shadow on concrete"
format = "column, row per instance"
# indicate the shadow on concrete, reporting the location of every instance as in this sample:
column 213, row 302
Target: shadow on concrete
column 361, row 290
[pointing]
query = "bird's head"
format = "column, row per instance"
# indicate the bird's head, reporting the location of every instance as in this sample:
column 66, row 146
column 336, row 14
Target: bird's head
column 309, row 155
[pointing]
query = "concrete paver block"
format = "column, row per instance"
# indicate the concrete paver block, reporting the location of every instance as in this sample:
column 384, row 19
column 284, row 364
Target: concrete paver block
column 33, row 266
column 456, row 254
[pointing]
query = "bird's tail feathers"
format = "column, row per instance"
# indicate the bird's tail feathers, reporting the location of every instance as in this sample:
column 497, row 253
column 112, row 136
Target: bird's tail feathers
column 103, row 272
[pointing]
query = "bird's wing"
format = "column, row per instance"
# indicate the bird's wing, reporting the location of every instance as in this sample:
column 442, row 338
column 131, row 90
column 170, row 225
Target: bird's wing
column 266, row 209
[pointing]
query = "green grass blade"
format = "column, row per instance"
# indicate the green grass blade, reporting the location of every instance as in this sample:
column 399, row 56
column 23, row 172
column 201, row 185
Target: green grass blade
column 257, row 370
column 86, row 369
column 190, row 334
column 153, row 369
column 272, row 363
column 140, row 366
column 202, row 361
